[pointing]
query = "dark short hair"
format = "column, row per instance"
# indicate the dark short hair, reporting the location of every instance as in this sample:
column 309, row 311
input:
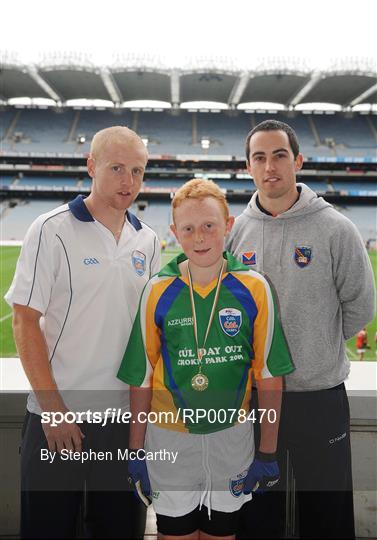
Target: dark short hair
column 274, row 125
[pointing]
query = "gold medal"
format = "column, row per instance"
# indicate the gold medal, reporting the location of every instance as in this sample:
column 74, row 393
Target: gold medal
column 199, row 382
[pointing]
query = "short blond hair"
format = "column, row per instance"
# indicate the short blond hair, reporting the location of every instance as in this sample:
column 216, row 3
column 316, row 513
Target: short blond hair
column 112, row 135
column 200, row 188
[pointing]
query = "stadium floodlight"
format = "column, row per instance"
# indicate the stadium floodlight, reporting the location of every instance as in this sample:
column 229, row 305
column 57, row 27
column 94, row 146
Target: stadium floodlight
column 261, row 106
column 81, row 139
column 205, row 143
column 365, row 108
column 31, row 102
column 83, row 103
column 204, row 105
column 145, row 141
column 318, row 107
column 145, row 104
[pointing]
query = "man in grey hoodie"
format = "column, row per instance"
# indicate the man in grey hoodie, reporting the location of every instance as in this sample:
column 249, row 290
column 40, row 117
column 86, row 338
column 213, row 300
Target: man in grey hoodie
column 317, row 263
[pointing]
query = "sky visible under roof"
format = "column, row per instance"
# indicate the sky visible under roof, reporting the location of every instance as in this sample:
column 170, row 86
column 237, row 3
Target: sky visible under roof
column 317, row 31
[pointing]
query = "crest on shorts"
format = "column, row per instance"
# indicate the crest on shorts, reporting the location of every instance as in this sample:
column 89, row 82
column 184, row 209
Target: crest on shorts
column 236, row 484
column 139, row 262
column 303, row 255
column 249, row 258
column 230, row 321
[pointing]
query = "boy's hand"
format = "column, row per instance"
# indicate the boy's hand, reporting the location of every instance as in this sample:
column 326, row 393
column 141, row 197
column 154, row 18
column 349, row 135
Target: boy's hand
column 138, row 476
column 263, row 473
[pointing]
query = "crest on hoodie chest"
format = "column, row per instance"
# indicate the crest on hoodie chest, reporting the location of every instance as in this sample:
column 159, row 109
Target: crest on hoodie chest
column 303, row 256
column 249, row 258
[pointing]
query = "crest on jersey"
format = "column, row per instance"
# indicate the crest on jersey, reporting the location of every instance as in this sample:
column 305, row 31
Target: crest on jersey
column 139, row 262
column 230, row 321
column 303, row 255
column 249, row 258
column 236, row 484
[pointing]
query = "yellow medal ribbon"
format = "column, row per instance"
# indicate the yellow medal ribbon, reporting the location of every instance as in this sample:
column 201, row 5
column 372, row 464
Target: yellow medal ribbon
column 200, row 381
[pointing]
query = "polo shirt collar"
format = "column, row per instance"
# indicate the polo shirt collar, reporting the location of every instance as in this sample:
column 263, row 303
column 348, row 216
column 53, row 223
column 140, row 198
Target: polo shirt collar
column 79, row 209
column 81, row 212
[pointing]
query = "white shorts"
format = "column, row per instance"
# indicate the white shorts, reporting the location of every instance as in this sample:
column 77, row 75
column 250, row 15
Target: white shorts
column 207, row 470
column 360, row 351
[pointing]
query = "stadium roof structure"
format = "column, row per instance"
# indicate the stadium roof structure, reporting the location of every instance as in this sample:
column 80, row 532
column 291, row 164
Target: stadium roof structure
column 290, row 84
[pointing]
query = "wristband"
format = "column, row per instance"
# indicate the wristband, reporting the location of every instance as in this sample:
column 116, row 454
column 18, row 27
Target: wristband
column 265, row 457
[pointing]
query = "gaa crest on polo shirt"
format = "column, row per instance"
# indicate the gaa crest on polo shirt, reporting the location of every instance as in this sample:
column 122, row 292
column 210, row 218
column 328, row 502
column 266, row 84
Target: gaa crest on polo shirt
column 230, row 321
column 249, row 258
column 139, row 262
column 236, row 484
column 303, row 256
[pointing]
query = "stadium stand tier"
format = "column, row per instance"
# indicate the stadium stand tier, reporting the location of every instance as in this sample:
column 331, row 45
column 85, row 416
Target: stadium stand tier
column 181, row 132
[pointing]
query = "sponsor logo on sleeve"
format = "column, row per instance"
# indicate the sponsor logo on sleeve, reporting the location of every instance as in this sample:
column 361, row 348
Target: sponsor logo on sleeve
column 230, row 321
column 139, row 262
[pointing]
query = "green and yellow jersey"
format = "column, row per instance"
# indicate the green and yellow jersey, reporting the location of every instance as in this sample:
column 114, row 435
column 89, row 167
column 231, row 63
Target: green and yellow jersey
column 245, row 340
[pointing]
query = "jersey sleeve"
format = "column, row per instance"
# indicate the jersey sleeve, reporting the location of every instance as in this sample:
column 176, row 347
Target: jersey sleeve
column 143, row 348
column 34, row 276
column 271, row 353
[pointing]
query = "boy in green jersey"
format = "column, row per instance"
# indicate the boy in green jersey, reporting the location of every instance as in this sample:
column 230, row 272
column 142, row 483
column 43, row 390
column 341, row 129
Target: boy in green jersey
column 206, row 327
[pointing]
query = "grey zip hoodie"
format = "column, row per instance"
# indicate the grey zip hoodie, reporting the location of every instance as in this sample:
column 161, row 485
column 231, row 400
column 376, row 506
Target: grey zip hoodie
column 319, row 267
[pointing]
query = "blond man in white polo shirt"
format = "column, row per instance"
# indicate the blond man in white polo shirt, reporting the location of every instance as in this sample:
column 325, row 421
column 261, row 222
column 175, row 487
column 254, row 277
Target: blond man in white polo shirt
column 74, row 296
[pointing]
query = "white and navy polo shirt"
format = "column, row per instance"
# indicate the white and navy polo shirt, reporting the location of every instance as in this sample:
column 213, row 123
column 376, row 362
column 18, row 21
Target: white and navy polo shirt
column 87, row 288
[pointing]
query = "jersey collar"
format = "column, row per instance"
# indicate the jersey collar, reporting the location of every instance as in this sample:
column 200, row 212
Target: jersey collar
column 172, row 268
column 81, row 212
column 79, row 209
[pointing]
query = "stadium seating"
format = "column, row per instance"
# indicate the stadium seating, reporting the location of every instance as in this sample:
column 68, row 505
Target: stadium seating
column 17, row 220
column 347, row 133
column 364, row 217
column 166, row 133
column 6, row 118
column 41, row 129
column 171, row 133
column 91, row 121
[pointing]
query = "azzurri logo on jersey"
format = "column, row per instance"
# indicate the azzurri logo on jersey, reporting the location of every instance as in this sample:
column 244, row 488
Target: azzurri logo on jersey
column 303, row 255
column 230, row 321
column 236, row 484
column 139, row 262
column 90, row 260
column 249, row 258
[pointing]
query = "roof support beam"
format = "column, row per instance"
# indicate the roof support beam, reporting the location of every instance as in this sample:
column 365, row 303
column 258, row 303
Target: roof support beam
column 111, row 86
column 314, row 80
column 364, row 95
column 33, row 72
column 175, row 88
column 238, row 89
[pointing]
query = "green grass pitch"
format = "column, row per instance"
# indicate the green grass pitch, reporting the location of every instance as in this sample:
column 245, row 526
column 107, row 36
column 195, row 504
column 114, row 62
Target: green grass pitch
column 8, row 259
